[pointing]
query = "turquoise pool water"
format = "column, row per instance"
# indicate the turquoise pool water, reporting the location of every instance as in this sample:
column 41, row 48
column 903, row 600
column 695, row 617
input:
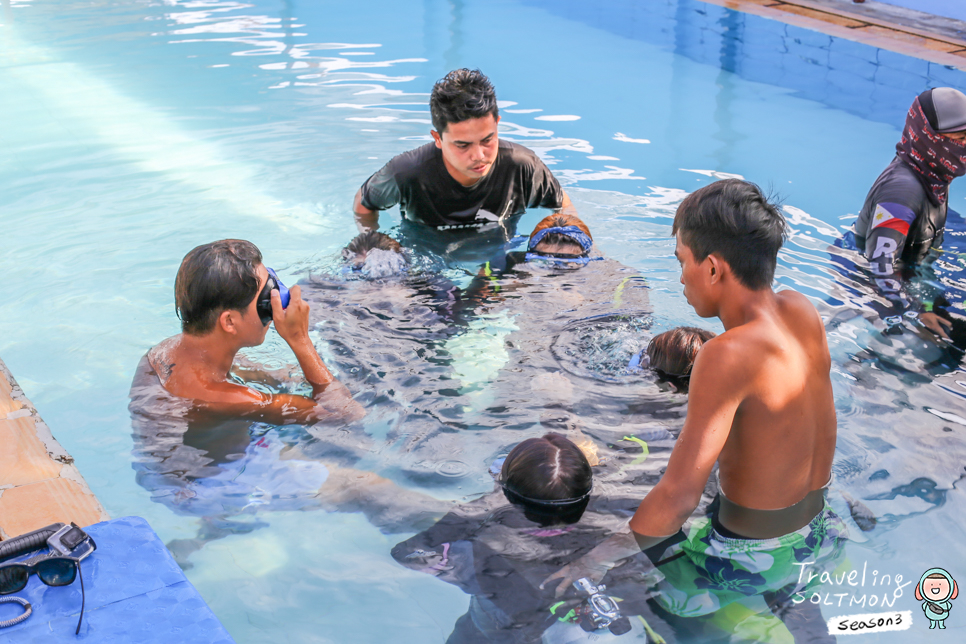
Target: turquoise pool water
column 134, row 131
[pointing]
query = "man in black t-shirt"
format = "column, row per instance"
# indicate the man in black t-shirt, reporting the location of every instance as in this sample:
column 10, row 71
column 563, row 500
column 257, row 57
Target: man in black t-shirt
column 466, row 178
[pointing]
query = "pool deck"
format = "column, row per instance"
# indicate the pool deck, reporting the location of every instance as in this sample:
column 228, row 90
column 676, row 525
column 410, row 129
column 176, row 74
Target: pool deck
column 39, row 483
column 913, row 33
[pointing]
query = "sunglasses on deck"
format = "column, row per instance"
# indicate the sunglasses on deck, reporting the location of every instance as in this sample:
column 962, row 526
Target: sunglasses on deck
column 51, row 569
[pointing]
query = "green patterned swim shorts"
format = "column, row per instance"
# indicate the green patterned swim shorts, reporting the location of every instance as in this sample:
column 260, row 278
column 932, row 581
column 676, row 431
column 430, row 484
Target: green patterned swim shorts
column 711, row 571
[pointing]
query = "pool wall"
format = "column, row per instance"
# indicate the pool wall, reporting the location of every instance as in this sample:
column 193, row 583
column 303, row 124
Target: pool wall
column 870, row 82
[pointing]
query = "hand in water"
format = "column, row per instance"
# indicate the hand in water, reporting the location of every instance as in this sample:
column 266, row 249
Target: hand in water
column 292, row 323
column 936, row 324
column 586, row 566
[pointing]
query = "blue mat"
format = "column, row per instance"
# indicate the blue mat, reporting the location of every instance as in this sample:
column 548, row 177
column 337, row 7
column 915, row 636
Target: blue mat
column 135, row 593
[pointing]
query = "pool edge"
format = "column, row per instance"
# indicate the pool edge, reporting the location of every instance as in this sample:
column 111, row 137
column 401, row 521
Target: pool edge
column 39, row 482
column 878, row 31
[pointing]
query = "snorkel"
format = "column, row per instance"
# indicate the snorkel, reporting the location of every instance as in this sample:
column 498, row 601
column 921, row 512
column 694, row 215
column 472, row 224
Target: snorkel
column 264, row 304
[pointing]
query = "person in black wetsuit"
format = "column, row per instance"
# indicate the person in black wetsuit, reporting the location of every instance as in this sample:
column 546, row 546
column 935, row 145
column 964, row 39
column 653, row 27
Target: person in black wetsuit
column 467, row 178
column 905, row 212
column 500, row 547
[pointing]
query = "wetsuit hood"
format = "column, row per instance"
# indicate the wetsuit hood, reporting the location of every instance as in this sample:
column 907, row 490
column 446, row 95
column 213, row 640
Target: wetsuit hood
column 953, row 589
column 936, row 159
column 945, row 108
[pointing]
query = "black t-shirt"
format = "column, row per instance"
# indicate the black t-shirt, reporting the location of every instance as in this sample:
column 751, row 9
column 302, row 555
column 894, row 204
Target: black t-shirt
column 899, row 185
column 426, row 193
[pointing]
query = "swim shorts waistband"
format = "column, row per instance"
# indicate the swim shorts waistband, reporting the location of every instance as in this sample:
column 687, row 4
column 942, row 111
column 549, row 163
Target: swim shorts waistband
column 739, row 522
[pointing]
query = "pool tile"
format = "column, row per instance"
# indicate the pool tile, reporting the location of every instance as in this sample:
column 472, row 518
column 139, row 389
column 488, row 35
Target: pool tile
column 808, row 37
column 23, row 458
column 899, row 79
column 946, row 75
column 857, row 67
column 854, row 48
column 848, row 84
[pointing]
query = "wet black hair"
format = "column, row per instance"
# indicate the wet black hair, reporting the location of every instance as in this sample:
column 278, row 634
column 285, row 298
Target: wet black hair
column 549, row 478
column 461, row 95
column 735, row 220
column 215, row 277
column 370, row 240
column 672, row 353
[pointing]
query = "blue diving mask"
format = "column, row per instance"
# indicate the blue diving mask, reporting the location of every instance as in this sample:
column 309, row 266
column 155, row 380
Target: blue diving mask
column 561, row 259
column 264, row 303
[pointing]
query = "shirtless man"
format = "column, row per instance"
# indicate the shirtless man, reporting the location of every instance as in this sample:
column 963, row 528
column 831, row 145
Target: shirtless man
column 217, row 291
column 761, row 406
column 202, row 438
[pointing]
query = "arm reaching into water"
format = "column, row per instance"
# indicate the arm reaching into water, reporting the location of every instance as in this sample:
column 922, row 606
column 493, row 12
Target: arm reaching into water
column 566, row 206
column 330, row 398
column 718, row 380
column 366, row 219
column 883, row 248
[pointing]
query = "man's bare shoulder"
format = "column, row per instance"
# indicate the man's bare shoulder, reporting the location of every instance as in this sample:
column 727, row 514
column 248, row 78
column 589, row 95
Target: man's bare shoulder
column 161, row 357
column 728, row 356
column 799, row 306
column 174, row 367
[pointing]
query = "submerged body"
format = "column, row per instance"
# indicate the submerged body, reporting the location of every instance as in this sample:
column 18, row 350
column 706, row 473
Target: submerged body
column 204, row 463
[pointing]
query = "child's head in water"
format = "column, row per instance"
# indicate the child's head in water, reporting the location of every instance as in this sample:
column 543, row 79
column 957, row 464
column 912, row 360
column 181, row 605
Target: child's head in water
column 549, row 478
column 560, row 235
column 672, row 353
column 375, row 254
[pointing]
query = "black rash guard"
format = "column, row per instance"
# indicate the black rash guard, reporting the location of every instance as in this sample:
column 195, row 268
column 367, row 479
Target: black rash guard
column 898, row 185
column 426, row 193
column 897, row 222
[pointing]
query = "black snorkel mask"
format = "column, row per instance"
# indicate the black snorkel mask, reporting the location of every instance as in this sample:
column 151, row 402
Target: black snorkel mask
column 549, row 511
column 263, row 304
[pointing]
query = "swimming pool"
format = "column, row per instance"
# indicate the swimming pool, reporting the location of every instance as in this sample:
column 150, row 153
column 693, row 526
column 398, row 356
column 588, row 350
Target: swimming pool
column 144, row 129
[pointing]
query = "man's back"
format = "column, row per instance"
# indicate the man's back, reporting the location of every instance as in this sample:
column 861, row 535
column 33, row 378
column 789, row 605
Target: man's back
column 782, row 439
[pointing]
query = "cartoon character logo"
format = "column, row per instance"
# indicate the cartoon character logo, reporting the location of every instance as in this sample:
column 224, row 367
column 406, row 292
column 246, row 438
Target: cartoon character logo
column 936, row 589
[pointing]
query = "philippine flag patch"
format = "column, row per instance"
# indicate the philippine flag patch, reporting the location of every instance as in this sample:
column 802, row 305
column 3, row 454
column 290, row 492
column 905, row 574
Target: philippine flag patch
column 894, row 216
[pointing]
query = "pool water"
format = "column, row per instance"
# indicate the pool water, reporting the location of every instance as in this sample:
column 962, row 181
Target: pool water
column 134, row 131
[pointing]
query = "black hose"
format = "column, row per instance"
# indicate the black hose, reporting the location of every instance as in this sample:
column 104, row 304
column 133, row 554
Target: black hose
column 28, row 542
